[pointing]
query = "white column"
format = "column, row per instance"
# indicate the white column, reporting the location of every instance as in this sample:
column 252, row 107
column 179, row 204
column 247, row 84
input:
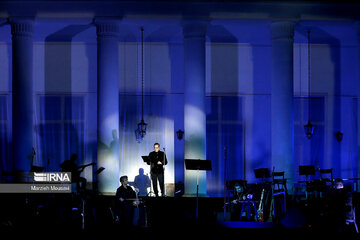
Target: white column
column 194, row 101
column 108, row 104
column 282, row 113
column 22, row 91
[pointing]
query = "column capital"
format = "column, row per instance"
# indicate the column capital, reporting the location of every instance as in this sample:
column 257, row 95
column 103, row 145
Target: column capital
column 282, row 30
column 106, row 26
column 194, row 27
column 21, row 26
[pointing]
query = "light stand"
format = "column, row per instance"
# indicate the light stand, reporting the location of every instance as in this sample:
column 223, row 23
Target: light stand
column 146, row 159
column 197, row 164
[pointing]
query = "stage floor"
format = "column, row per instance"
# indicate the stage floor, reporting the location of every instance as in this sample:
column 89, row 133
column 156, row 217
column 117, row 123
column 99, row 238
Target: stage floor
column 177, row 215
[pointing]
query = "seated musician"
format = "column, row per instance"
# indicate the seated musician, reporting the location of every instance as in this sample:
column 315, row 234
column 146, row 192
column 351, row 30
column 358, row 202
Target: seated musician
column 239, row 194
column 341, row 212
column 125, row 202
column 71, row 166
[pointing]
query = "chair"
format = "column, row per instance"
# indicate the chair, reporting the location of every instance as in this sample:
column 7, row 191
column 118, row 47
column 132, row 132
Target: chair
column 279, row 182
column 307, row 170
column 278, row 188
column 325, row 183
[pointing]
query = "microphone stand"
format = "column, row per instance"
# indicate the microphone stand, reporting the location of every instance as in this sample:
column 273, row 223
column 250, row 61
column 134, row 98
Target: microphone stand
column 149, row 194
column 164, row 171
column 32, row 157
column 225, row 188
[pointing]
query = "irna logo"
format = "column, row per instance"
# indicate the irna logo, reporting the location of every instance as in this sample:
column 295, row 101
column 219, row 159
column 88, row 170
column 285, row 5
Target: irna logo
column 52, row 177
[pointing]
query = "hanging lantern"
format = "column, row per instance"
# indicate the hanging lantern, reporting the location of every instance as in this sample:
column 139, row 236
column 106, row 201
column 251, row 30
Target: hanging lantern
column 339, row 136
column 140, row 132
column 180, row 134
column 309, row 128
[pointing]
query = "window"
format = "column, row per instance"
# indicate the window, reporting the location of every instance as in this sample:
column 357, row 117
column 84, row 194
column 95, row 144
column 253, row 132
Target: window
column 60, row 129
column 5, row 146
column 224, row 127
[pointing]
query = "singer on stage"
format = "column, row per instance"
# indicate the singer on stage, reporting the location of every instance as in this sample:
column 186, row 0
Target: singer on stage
column 157, row 162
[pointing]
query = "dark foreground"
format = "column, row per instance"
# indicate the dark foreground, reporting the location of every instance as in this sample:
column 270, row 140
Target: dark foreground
column 61, row 215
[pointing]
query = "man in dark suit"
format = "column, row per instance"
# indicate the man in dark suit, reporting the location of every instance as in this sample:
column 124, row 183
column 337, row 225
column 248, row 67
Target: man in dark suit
column 157, row 161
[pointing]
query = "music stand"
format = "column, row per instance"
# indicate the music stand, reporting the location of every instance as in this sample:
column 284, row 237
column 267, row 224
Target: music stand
column 146, row 160
column 197, row 164
column 262, row 173
column 307, row 170
column 97, row 172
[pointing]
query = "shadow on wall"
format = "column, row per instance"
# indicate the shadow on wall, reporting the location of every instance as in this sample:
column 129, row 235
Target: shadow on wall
column 56, row 143
column 58, row 79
